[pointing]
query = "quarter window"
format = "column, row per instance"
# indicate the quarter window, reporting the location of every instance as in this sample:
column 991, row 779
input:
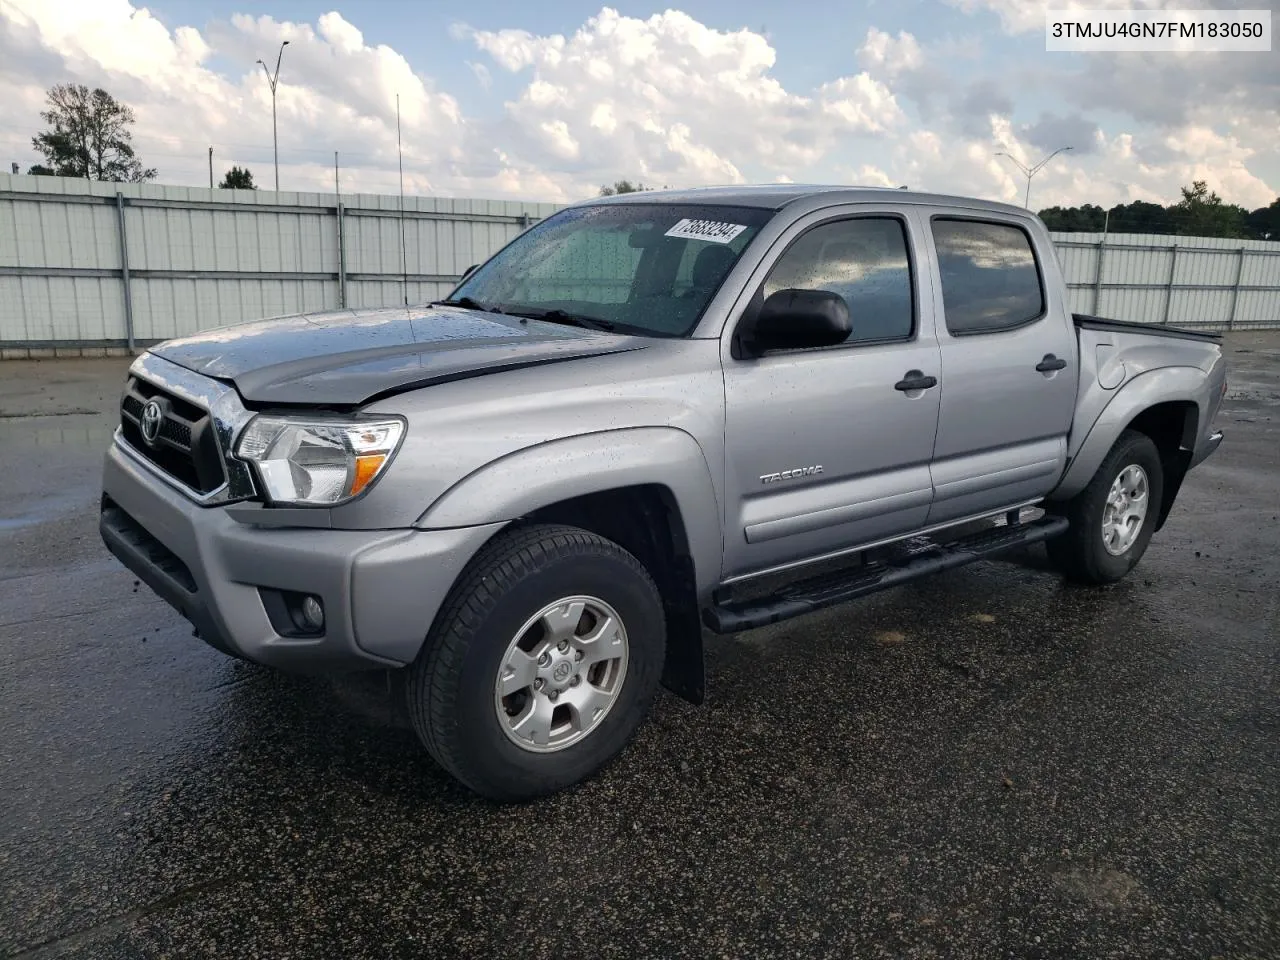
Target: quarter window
column 865, row 262
column 990, row 279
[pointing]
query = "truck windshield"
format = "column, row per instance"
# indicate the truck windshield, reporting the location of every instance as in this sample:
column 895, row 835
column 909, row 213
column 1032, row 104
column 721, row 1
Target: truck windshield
column 646, row 268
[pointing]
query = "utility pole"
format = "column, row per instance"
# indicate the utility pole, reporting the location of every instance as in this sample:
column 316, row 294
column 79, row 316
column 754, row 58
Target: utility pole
column 273, row 80
column 211, row 168
column 1030, row 172
column 404, row 261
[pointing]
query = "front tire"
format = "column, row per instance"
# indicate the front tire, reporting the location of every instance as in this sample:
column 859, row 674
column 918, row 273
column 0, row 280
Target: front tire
column 1113, row 518
column 542, row 663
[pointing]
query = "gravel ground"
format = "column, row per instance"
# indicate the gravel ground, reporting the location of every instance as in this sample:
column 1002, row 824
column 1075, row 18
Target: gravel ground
column 987, row 764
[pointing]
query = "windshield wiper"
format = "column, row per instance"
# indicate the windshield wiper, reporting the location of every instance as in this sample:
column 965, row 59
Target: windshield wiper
column 563, row 316
column 467, row 303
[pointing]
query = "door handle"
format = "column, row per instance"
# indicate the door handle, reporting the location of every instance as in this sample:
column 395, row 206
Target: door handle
column 915, row 380
column 1050, row 363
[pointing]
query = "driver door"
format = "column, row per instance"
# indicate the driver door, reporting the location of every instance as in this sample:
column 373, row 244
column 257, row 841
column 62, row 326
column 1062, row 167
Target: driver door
column 825, row 450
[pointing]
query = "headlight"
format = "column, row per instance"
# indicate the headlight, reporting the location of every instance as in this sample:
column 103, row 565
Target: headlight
column 318, row 462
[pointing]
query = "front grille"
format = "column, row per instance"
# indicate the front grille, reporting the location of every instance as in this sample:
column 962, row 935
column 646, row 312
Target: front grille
column 185, row 446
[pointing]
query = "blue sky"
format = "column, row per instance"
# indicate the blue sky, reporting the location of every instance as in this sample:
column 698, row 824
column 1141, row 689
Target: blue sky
column 813, row 41
column 806, row 55
column 547, row 101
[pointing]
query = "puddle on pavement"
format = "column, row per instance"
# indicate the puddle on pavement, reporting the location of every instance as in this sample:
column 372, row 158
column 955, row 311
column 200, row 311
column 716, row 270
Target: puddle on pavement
column 46, row 510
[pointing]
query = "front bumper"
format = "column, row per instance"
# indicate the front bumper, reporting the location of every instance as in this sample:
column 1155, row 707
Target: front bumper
column 381, row 589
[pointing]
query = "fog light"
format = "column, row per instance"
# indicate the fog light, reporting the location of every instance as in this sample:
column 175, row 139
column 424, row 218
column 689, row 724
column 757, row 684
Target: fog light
column 312, row 612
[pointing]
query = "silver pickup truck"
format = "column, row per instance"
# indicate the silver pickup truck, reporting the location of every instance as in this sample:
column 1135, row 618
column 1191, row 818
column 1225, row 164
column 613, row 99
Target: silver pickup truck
column 646, row 415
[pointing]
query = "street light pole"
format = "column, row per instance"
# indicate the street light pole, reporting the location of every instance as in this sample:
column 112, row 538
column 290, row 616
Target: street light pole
column 1030, row 172
column 272, row 80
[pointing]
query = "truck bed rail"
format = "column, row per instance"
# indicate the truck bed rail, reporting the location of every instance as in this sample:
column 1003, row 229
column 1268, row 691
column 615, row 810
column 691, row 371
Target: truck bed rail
column 1155, row 330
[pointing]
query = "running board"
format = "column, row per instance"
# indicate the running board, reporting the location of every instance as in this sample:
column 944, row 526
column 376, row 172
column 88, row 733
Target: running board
column 826, row 590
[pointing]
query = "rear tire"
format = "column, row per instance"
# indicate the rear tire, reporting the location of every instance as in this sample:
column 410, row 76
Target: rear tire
column 1113, row 518
column 542, row 663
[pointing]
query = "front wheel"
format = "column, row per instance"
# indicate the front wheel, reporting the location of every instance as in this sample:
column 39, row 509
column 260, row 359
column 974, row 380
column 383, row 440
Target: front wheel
column 1113, row 518
column 542, row 663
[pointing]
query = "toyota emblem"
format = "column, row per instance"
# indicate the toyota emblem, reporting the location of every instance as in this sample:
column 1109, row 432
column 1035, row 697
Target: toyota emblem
column 152, row 417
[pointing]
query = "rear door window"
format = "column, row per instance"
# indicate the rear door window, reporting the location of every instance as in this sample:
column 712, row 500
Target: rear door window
column 990, row 277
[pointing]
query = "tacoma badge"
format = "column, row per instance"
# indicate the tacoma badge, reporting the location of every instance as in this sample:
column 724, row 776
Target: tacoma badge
column 791, row 474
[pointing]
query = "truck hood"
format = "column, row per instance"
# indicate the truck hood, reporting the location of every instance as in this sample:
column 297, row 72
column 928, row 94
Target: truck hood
column 351, row 357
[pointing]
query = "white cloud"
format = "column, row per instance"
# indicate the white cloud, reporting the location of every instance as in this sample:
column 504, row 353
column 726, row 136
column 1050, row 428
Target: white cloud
column 869, row 175
column 935, row 161
column 1117, row 173
column 482, row 74
column 860, row 104
column 1022, row 16
column 664, row 99
column 337, row 92
column 889, row 55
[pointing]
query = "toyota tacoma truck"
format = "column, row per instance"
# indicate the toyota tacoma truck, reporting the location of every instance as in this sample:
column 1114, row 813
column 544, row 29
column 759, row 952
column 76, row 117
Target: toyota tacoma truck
column 645, row 416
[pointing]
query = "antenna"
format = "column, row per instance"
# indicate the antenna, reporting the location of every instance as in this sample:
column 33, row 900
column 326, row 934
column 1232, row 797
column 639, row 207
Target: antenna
column 404, row 256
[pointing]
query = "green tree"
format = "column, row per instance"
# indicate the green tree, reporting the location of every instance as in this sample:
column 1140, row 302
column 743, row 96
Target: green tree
column 238, row 178
column 1140, row 217
column 622, row 186
column 1085, row 219
column 1201, row 213
column 89, row 136
column 1264, row 223
column 40, row 170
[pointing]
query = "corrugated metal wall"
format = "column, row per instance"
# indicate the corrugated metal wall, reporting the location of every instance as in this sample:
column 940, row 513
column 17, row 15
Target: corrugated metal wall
column 1184, row 281
column 198, row 259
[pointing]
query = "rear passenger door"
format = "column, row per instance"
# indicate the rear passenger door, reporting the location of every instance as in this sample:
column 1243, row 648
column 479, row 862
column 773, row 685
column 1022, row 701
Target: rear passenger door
column 1008, row 368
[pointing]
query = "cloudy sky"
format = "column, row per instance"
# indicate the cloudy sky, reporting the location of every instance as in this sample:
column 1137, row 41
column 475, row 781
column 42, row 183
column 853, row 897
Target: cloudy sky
column 546, row 101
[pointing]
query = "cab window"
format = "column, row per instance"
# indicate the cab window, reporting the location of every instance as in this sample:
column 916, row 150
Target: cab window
column 865, row 262
column 990, row 278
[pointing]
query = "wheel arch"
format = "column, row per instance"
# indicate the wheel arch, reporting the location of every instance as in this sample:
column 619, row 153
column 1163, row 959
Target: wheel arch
column 1161, row 403
column 1173, row 427
column 647, row 489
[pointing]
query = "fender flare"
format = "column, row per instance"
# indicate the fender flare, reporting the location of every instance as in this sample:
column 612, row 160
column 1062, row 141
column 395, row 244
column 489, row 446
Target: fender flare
column 531, row 478
column 1162, row 385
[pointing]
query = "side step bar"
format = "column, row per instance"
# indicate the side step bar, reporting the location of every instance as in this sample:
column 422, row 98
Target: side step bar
column 826, row 590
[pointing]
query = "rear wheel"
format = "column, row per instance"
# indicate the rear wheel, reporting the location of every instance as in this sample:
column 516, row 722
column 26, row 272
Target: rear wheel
column 541, row 664
column 1113, row 518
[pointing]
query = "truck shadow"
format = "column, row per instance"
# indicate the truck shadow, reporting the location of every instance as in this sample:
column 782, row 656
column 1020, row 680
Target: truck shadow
column 965, row 631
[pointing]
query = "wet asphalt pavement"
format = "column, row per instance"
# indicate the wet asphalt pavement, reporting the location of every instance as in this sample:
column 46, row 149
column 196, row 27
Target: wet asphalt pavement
column 986, row 764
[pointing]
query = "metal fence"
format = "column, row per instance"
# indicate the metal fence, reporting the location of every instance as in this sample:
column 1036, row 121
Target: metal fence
column 91, row 266
column 1199, row 282
column 85, row 266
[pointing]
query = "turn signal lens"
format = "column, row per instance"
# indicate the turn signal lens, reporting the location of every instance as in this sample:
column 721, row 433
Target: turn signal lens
column 366, row 469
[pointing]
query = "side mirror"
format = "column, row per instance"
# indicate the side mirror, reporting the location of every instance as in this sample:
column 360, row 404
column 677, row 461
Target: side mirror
column 798, row 320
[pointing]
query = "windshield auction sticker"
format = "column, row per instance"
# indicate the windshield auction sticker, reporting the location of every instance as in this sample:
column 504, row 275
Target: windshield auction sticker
column 1158, row 31
column 710, row 230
